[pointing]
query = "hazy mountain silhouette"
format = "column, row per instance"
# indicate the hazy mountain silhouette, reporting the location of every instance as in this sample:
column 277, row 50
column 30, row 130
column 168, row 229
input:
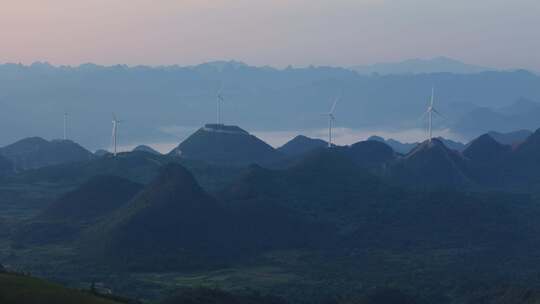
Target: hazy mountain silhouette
column 101, row 152
column 255, row 97
column 522, row 114
column 172, row 218
column 397, row 146
column 486, row 149
column 405, row 148
column 521, row 170
column 431, row 165
column 421, row 66
column 369, row 153
column 6, row 166
column 325, row 185
column 139, row 167
column 144, row 148
column 98, row 197
column 487, row 158
column 35, row 152
column 511, row 138
column 301, row 144
column 226, row 145
column 452, row 144
column 66, row 217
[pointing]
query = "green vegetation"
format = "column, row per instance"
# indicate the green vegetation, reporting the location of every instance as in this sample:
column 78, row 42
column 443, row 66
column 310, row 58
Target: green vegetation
column 19, row 289
column 329, row 227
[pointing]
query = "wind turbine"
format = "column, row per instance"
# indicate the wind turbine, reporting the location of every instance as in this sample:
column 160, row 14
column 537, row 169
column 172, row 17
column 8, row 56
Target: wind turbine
column 429, row 112
column 219, row 101
column 114, row 137
column 65, row 125
column 331, row 120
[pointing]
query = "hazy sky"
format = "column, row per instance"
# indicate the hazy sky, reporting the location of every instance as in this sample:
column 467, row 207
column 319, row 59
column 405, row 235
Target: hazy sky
column 497, row 33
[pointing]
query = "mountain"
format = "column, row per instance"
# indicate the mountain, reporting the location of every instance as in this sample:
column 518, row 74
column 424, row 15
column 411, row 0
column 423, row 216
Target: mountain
column 480, row 121
column 431, row 165
column 486, row 149
column 325, row 185
column 421, row 66
column 328, row 187
column 139, row 167
column 521, row 169
column 23, row 289
column 6, row 166
column 487, row 159
column 225, row 145
column 101, row 152
column 65, row 218
column 369, row 153
column 174, row 224
column 97, row 197
column 301, row 144
column 510, row 138
column 397, row 146
column 521, row 114
column 220, row 66
column 522, row 106
column 187, row 94
column 147, row 149
column 405, row 148
column 172, row 218
column 35, row 152
column 452, row 144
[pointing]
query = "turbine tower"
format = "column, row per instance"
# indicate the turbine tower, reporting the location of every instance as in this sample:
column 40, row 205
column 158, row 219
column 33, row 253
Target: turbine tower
column 65, row 125
column 219, row 101
column 114, row 137
column 430, row 111
column 331, row 121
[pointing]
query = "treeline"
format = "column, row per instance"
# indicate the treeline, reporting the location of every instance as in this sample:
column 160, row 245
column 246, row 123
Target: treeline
column 216, row 296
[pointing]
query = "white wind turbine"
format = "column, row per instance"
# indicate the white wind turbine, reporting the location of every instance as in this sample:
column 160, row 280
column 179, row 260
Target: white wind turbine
column 429, row 112
column 331, row 120
column 65, row 125
column 114, row 137
column 219, row 101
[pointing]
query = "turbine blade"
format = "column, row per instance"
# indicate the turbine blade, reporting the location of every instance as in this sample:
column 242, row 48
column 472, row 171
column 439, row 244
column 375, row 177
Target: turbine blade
column 423, row 116
column 220, row 88
column 333, row 109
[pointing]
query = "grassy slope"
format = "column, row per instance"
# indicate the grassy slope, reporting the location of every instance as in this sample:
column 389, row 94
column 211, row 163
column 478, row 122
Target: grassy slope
column 16, row 289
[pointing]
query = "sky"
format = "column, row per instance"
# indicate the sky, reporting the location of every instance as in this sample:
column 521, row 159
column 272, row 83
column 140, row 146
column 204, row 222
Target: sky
column 493, row 33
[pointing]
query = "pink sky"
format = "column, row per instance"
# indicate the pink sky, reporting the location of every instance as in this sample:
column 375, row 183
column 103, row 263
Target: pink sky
column 497, row 33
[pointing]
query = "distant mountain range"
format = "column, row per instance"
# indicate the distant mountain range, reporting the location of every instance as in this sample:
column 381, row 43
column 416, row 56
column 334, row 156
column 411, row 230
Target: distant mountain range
column 521, row 114
column 405, row 148
column 161, row 104
column 421, row 66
